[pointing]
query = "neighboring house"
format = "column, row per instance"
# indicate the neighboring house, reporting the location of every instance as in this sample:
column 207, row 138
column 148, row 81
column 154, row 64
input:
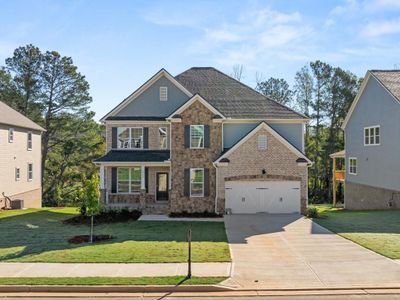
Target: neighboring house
column 20, row 158
column 372, row 142
column 203, row 141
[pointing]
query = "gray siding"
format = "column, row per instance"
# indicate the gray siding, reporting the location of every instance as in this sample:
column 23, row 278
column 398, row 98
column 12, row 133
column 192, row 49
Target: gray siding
column 149, row 104
column 377, row 166
column 292, row 132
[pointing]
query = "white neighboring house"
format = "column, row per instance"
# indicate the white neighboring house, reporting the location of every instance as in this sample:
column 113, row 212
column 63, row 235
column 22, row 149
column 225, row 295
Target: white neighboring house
column 20, row 159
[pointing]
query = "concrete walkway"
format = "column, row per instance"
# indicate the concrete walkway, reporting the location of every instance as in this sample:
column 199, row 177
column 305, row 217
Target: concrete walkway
column 290, row 251
column 111, row 270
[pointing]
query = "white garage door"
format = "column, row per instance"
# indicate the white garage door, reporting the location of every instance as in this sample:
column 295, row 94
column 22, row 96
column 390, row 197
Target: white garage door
column 275, row 197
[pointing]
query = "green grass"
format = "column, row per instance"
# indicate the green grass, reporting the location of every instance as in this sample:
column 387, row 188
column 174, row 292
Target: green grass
column 173, row 280
column 38, row 235
column 378, row 230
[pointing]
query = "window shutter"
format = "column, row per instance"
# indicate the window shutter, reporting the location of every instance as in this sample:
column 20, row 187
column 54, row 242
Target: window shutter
column 114, row 180
column 146, row 178
column 206, row 182
column 186, row 183
column 187, row 136
column 146, row 138
column 114, row 137
column 206, row 136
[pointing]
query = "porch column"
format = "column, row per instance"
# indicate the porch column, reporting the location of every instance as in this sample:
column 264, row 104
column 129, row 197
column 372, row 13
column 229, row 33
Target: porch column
column 142, row 178
column 102, row 181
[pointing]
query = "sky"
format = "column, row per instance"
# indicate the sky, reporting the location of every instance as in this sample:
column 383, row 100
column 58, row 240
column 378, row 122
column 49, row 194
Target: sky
column 118, row 44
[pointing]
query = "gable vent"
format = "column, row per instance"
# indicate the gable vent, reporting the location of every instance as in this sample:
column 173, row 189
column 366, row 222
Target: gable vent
column 163, row 93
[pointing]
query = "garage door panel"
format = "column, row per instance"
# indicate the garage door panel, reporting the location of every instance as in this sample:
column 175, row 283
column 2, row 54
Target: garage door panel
column 262, row 196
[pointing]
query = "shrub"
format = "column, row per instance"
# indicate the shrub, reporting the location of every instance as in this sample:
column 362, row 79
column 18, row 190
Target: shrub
column 107, row 215
column 312, row 212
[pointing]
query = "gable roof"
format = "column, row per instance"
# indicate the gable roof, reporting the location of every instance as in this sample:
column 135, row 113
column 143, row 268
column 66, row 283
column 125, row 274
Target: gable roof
column 233, row 98
column 195, row 98
column 12, row 117
column 144, row 87
column 390, row 81
column 274, row 133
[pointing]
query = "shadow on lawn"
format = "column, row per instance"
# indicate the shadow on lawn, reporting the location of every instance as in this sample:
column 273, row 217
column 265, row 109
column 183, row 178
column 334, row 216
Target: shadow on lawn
column 42, row 231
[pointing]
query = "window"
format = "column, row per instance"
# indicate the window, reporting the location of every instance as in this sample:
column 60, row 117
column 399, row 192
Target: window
column 163, row 93
column 30, row 172
column 129, row 180
column 10, row 135
column 29, row 136
column 162, row 138
column 196, row 182
column 196, row 136
column 130, row 138
column 17, row 174
column 262, row 142
column 372, row 136
column 353, row 165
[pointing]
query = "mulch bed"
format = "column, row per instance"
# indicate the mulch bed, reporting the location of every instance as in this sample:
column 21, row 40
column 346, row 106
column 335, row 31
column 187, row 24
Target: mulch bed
column 79, row 239
column 112, row 216
column 185, row 214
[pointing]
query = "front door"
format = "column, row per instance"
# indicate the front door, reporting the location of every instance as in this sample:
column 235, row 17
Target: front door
column 162, row 187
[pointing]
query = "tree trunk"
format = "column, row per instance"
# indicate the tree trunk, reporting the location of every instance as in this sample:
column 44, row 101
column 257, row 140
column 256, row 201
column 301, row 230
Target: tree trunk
column 91, row 228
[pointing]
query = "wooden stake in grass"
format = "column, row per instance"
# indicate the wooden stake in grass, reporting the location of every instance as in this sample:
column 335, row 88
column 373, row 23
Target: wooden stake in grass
column 189, row 275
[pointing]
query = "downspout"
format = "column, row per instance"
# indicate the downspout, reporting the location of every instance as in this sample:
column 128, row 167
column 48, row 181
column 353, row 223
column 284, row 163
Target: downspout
column 216, row 189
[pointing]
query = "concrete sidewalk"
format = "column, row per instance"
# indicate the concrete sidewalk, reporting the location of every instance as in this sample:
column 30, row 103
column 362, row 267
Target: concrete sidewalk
column 112, row 270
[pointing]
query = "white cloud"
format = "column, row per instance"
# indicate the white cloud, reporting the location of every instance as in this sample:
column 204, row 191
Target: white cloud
column 379, row 28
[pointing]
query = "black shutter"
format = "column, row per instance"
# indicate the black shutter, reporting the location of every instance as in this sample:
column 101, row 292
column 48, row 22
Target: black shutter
column 186, row 183
column 114, row 180
column 206, row 136
column 146, row 138
column 146, row 179
column 114, row 137
column 187, row 136
column 206, row 182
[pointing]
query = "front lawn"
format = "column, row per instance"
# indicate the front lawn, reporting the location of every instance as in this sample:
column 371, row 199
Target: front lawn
column 38, row 235
column 378, row 230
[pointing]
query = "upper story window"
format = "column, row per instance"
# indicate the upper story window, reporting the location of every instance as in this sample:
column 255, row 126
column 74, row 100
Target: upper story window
column 262, row 142
column 196, row 182
column 162, row 138
column 130, row 138
column 353, row 165
column 372, row 135
column 129, row 180
column 17, row 174
column 10, row 135
column 29, row 141
column 197, row 136
column 30, row 171
column 163, row 93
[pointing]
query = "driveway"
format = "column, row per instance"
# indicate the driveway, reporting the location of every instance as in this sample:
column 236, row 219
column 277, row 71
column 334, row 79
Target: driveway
column 291, row 251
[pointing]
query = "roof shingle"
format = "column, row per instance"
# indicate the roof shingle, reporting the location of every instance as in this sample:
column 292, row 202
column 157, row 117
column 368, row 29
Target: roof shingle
column 390, row 79
column 12, row 117
column 135, row 156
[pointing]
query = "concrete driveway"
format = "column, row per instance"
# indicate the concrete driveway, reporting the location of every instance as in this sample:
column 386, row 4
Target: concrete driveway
column 290, row 251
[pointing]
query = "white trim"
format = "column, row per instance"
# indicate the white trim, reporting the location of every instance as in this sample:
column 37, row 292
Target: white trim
column 353, row 158
column 285, row 121
column 274, row 133
column 195, row 98
column 102, row 177
column 369, row 137
column 155, row 186
column 143, row 88
column 163, row 93
column 190, row 183
column 158, row 137
column 190, row 136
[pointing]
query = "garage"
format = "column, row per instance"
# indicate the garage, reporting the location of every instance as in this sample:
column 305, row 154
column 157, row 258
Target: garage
column 274, row 197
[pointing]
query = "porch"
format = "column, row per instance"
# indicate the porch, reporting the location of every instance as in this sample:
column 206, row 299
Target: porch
column 338, row 172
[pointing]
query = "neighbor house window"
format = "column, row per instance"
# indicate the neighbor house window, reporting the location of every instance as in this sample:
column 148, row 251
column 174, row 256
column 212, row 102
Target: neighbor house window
column 353, row 165
column 29, row 136
column 30, row 172
column 163, row 93
column 196, row 182
column 10, row 135
column 372, row 135
column 17, row 174
column 262, row 142
column 162, row 138
column 196, row 136
column 130, row 138
column 129, row 180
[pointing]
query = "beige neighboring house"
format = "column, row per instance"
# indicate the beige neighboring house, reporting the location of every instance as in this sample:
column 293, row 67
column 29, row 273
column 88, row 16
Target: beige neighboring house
column 20, row 158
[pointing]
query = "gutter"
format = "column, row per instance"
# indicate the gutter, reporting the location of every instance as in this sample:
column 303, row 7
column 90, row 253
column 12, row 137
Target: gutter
column 216, row 189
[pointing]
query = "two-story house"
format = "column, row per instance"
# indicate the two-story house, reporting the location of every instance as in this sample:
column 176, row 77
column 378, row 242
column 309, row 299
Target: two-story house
column 203, row 141
column 20, row 159
column 372, row 143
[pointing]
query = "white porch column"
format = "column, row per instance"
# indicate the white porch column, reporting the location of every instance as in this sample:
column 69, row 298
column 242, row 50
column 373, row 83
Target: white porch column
column 102, row 178
column 142, row 177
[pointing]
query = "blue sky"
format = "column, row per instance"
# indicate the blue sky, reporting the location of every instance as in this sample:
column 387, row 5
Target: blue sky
column 119, row 44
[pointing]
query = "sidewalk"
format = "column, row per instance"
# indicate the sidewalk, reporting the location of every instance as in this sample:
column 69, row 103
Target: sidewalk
column 112, row 270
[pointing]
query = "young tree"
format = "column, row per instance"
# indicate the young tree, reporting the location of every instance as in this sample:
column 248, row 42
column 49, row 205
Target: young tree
column 276, row 88
column 238, row 72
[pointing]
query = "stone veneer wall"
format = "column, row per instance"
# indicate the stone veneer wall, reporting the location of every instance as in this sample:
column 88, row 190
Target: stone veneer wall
column 183, row 158
column 360, row 196
column 32, row 199
column 153, row 133
column 277, row 159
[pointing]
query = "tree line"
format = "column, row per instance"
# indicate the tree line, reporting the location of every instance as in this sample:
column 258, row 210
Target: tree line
column 48, row 88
